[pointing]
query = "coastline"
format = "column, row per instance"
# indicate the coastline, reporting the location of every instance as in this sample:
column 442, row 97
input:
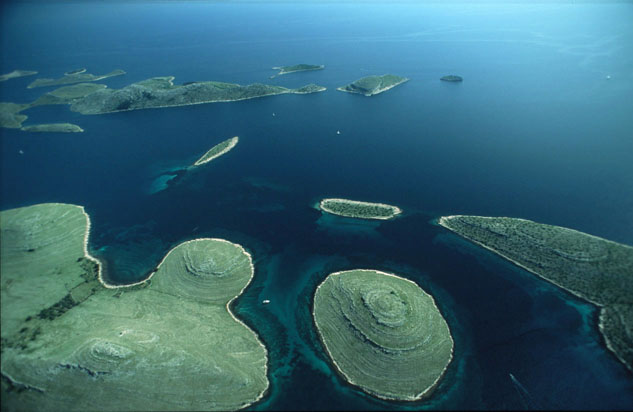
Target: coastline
column 233, row 142
column 425, row 393
column 378, row 91
column 601, row 329
column 395, row 209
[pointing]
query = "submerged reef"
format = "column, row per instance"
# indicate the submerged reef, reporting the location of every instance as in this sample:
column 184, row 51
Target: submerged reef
column 70, row 341
column 16, row 73
column 383, row 333
column 372, row 85
column 217, row 151
column 162, row 92
column 74, row 76
column 297, row 68
column 357, row 209
column 451, row 78
column 595, row 269
column 53, row 127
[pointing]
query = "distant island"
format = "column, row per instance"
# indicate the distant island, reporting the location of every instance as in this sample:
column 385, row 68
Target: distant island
column 53, row 127
column 217, row 151
column 297, row 68
column 68, row 94
column 10, row 116
column 72, row 341
column 16, row 73
column 372, row 85
column 74, row 76
column 595, row 269
column 357, row 209
column 451, row 78
column 383, row 333
column 161, row 92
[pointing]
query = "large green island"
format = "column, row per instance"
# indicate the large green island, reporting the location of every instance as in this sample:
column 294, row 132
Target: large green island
column 372, row 85
column 162, row 92
column 358, row 209
column 71, row 341
column 383, row 333
column 595, row 269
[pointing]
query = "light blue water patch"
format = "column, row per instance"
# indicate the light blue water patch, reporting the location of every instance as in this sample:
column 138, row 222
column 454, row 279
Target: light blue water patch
column 160, row 183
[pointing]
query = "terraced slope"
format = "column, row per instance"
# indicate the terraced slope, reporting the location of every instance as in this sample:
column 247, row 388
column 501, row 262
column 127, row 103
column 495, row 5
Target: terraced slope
column 168, row 343
column 383, row 333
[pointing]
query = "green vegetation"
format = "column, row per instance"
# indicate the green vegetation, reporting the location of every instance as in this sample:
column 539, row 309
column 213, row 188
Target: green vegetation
column 372, row 85
column 10, row 116
column 595, row 269
column 74, row 76
column 363, row 210
column 451, row 78
column 168, row 343
column 383, row 333
column 217, row 151
column 68, row 94
column 297, row 68
column 161, row 92
column 53, row 127
column 16, row 73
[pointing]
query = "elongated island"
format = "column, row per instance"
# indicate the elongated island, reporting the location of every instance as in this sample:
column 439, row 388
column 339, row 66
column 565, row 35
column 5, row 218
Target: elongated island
column 217, row 151
column 595, row 269
column 383, row 333
column 452, row 78
column 357, row 209
column 162, row 92
column 53, row 127
column 74, row 76
column 297, row 68
column 15, row 74
column 71, row 341
column 371, row 85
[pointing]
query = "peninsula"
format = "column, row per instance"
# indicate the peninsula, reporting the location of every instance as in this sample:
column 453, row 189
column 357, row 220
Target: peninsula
column 451, row 78
column 297, row 68
column 16, row 73
column 10, row 116
column 53, row 127
column 217, row 151
column 67, row 94
column 595, row 269
column 372, row 85
column 74, row 76
column 162, row 92
column 71, row 341
column 357, row 209
column 383, row 333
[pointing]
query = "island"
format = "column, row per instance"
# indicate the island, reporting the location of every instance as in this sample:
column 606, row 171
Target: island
column 383, row 333
column 71, row 341
column 10, row 116
column 53, row 127
column 162, row 92
column 217, row 151
column 372, row 85
column 297, row 68
column 68, row 94
column 357, row 209
column 16, row 73
column 74, row 76
column 451, row 78
column 595, row 269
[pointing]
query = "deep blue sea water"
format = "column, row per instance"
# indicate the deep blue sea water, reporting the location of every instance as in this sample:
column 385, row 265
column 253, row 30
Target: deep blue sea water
column 536, row 130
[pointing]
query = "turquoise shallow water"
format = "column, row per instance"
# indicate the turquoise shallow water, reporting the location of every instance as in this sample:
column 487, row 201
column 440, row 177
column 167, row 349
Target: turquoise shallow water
column 534, row 131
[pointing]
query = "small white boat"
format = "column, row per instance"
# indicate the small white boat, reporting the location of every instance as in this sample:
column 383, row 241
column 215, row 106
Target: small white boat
column 265, row 301
column 338, row 132
column 273, row 114
column 608, row 77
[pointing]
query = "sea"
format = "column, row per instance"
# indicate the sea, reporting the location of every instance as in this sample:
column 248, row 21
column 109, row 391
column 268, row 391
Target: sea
column 541, row 128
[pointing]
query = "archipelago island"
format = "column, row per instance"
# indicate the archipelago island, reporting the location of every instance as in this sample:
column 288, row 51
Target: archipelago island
column 15, row 74
column 371, row 85
column 452, row 78
column 71, row 341
column 357, row 209
column 217, row 151
column 74, row 76
column 297, row 68
column 383, row 333
column 53, row 127
column 595, row 269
